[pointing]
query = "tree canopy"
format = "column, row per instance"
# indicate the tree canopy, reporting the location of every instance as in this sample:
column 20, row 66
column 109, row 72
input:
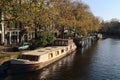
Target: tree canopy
column 49, row 14
column 111, row 28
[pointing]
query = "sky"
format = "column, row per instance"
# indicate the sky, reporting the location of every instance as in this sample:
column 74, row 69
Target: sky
column 105, row 9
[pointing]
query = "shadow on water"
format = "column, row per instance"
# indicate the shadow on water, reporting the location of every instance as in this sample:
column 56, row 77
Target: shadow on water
column 82, row 61
column 72, row 67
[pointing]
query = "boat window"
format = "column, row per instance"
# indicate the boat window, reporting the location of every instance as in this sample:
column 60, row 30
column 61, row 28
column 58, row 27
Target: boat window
column 29, row 57
column 48, row 49
column 62, row 50
column 66, row 49
column 50, row 55
column 57, row 53
column 71, row 47
column 40, row 51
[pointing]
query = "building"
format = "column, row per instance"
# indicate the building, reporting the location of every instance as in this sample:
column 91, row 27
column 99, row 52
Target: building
column 9, row 36
column 12, row 36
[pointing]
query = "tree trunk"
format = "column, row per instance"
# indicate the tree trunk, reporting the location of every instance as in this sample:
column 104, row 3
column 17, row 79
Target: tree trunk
column 62, row 32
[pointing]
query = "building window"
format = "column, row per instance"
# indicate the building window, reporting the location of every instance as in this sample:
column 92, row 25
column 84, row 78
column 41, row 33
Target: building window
column 0, row 28
column 13, row 32
column 16, row 33
column 8, row 33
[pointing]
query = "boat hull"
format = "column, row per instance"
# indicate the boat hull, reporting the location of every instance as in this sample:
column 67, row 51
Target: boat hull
column 23, row 68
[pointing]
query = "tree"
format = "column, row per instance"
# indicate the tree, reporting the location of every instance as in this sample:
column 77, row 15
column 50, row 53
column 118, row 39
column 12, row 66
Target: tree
column 44, row 38
column 48, row 14
column 111, row 28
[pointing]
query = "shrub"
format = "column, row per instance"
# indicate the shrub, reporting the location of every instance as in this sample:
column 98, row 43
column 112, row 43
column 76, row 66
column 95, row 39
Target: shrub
column 43, row 38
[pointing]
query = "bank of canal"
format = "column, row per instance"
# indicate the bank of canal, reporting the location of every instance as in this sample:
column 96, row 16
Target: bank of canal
column 101, row 61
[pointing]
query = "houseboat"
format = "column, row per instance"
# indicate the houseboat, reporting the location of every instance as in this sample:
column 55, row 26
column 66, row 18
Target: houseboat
column 40, row 58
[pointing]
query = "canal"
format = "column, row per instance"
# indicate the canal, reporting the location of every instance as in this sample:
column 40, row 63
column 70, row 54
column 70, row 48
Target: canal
column 101, row 61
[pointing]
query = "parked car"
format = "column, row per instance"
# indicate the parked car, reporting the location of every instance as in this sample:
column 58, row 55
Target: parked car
column 24, row 46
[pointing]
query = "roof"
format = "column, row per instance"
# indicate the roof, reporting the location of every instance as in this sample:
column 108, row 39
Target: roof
column 42, row 51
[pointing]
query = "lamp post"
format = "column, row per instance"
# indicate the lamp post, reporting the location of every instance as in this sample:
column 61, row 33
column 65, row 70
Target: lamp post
column 3, row 28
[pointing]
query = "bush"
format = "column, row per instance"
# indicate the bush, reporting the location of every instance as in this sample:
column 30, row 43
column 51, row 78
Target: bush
column 43, row 38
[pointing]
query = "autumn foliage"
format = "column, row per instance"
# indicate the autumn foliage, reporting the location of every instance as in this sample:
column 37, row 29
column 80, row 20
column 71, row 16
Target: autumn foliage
column 49, row 14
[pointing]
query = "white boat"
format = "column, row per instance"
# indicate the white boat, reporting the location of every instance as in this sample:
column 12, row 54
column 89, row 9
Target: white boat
column 39, row 58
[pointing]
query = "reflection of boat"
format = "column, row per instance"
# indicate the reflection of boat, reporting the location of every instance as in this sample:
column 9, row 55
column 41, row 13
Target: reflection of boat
column 39, row 58
column 65, row 64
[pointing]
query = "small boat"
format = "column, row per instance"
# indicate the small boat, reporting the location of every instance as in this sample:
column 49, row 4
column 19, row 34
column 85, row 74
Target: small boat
column 99, row 36
column 42, row 57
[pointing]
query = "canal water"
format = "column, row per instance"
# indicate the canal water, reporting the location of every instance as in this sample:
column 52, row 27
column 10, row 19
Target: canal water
column 101, row 61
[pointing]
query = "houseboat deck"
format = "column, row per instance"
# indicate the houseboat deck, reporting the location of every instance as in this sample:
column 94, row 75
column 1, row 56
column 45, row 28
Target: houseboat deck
column 42, row 51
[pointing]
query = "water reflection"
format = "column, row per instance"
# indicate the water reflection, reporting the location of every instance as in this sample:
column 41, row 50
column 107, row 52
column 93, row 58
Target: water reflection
column 105, row 62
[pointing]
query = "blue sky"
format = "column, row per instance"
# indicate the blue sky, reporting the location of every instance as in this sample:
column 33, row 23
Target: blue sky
column 105, row 9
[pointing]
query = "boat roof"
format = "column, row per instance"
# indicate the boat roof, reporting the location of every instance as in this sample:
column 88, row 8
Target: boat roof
column 42, row 51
